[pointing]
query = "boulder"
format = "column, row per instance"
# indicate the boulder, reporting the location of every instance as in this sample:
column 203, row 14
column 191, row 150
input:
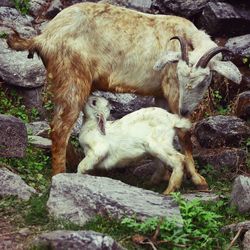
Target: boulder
column 37, row 6
column 219, row 131
column 12, row 184
column 239, row 45
column 40, row 142
column 246, row 241
column 141, row 5
column 74, row 240
column 221, row 18
column 10, row 17
column 55, row 7
column 79, row 198
column 123, row 104
column 40, row 128
column 17, row 70
column 186, row 8
column 13, row 137
column 202, row 196
column 242, row 109
column 240, row 196
column 235, row 227
column 221, row 157
column 7, row 3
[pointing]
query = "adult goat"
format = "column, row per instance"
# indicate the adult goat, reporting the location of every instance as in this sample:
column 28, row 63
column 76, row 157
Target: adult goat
column 92, row 46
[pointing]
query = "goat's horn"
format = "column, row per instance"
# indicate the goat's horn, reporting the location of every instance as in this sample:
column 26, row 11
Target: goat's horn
column 204, row 60
column 184, row 47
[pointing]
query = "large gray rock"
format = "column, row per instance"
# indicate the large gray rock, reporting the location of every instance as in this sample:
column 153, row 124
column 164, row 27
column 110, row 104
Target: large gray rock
column 186, row 8
column 12, row 184
column 218, row 131
column 38, row 6
column 75, row 240
column 240, row 196
column 40, row 142
column 221, row 157
column 16, row 69
column 235, row 227
column 242, row 109
column 10, row 17
column 55, row 7
column 13, row 137
column 6, row 3
column 240, row 45
column 220, row 18
column 79, row 198
column 40, row 128
column 141, row 5
column 123, row 104
column 246, row 241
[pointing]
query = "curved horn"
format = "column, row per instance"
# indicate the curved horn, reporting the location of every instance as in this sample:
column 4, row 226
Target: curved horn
column 184, row 47
column 204, row 60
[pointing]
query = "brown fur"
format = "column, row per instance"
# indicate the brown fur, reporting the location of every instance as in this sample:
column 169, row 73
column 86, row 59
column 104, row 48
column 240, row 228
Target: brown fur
column 99, row 46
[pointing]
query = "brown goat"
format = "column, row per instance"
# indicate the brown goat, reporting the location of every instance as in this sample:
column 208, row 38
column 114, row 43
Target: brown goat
column 91, row 46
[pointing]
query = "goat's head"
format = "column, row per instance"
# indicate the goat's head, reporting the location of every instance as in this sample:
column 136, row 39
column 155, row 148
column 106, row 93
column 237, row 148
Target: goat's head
column 194, row 79
column 97, row 108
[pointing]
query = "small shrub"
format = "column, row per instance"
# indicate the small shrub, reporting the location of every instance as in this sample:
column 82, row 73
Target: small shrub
column 22, row 6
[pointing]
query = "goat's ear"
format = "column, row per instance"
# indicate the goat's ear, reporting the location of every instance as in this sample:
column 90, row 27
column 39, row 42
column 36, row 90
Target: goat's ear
column 167, row 57
column 101, row 124
column 227, row 69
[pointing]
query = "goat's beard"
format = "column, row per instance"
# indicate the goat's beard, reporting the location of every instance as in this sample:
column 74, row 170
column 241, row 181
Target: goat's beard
column 101, row 123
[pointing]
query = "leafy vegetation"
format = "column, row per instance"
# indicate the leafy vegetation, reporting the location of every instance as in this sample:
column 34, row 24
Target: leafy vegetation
column 22, row 6
column 3, row 34
column 11, row 104
column 34, row 168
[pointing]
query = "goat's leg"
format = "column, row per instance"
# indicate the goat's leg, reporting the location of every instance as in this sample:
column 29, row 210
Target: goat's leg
column 172, row 158
column 186, row 144
column 69, row 99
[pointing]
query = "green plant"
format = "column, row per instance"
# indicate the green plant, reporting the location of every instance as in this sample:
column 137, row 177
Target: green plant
column 246, row 61
column 22, row 6
column 33, row 168
column 3, row 34
column 11, row 104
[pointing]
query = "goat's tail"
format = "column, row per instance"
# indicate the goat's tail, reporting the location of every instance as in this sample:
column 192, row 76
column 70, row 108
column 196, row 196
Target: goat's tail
column 183, row 123
column 20, row 44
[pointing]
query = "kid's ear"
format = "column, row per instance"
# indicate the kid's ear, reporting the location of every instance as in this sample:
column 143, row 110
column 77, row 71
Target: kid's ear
column 101, row 124
column 167, row 57
column 227, row 69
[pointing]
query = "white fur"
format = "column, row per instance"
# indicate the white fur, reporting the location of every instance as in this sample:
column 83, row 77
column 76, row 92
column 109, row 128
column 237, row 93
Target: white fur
column 146, row 131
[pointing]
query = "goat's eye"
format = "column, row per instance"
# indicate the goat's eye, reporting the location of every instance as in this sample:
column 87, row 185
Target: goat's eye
column 94, row 102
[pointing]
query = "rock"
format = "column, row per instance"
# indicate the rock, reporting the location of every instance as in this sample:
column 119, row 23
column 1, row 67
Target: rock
column 202, row 196
column 123, row 104
column 240, row 196
column 220, row 18
column 246, row 241
column 10, row 17
column 240, row 45
column 37, row 7
column 31, row 98
column 242, row 109
column 79, row 198
column 55, row 7
column 141, row 5
column 235, row 227
column 40, row 142
column 78, row 125
column 74, row 240
column 17, row 70
column 221, row 157
column 218, row 131
column 12, row 184
column 7, row 3
column 187, row 8
column 13, row 137
column 40, row 128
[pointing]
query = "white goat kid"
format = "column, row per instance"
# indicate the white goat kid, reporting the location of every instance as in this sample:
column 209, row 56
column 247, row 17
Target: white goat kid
column 112, row 144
